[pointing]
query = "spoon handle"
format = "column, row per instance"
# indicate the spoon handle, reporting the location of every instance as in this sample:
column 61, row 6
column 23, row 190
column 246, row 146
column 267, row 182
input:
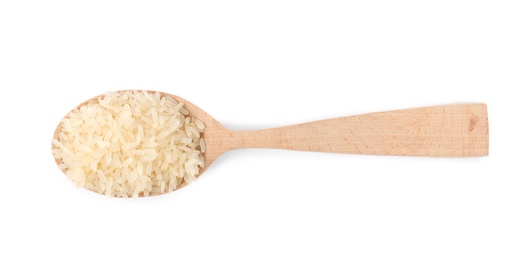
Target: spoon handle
column 441, row 131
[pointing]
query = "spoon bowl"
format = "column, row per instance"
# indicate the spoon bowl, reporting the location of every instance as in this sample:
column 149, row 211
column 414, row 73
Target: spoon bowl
column 459, row 130
column 214, row 149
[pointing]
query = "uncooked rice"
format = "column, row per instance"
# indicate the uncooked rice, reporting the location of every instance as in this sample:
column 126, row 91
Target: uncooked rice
column 130, row 143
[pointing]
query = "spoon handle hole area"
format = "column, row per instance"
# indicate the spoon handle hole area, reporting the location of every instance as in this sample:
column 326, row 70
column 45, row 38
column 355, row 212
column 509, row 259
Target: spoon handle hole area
column 440, row 131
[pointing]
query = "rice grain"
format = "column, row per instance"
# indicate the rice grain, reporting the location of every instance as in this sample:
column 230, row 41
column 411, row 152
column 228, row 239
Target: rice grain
column 130, row 144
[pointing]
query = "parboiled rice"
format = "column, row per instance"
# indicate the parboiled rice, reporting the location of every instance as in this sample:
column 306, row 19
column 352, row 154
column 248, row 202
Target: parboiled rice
column 130, row 143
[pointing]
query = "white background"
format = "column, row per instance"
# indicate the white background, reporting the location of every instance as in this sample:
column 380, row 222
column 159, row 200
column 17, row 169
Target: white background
column 256, row 64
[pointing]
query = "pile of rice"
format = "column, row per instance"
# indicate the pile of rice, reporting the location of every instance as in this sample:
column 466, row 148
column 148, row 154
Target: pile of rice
column 130, row 143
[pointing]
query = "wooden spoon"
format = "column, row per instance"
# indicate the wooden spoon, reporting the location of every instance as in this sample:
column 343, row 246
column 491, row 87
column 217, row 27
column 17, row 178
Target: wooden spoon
column 441, row 131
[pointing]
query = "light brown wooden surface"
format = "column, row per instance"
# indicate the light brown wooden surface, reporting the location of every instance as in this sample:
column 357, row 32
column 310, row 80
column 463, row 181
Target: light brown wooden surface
column 440, row 131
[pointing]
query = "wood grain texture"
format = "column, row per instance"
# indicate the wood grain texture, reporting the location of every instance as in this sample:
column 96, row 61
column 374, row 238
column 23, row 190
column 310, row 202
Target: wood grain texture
column 441, row 131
